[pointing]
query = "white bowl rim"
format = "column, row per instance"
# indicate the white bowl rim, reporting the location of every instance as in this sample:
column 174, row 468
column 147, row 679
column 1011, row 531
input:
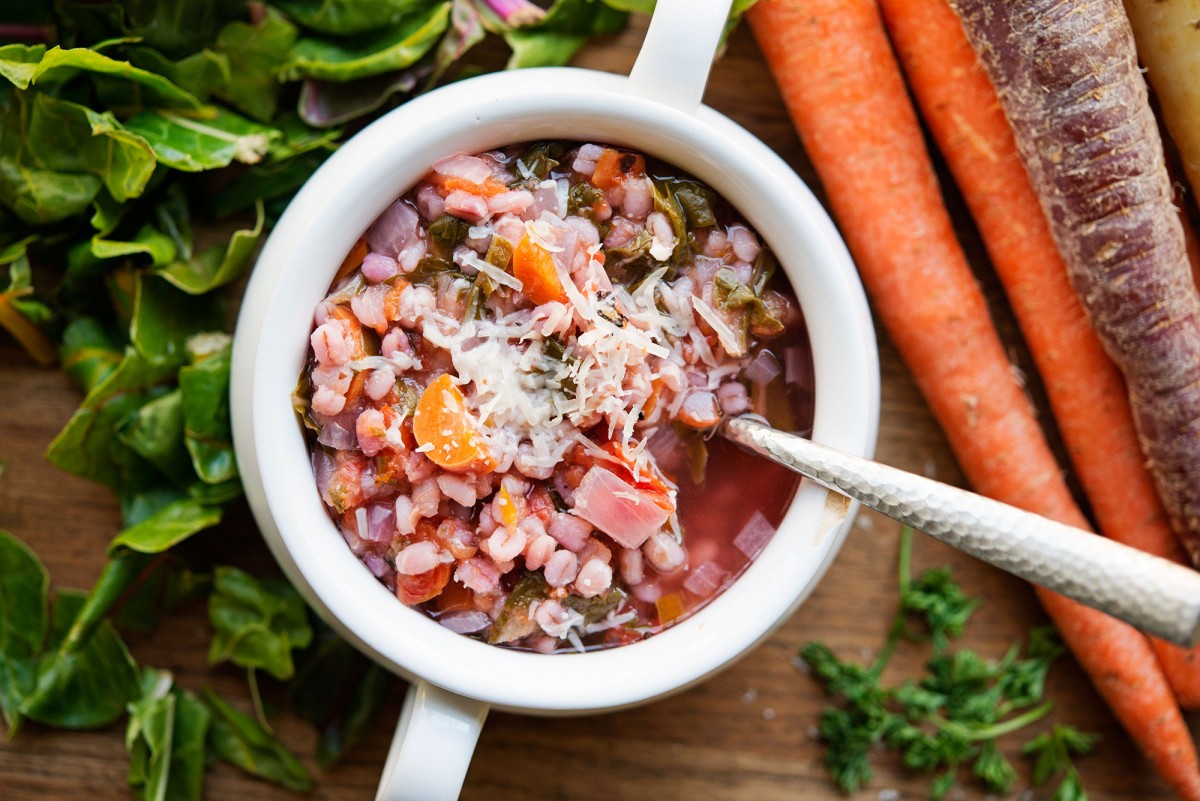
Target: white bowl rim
column 328, row 215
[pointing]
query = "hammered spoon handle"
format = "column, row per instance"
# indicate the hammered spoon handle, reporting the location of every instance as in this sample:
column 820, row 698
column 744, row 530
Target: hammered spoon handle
column 1153, row 594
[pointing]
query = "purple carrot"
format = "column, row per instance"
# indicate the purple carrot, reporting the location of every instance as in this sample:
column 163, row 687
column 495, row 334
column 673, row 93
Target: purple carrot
column 1067, row 76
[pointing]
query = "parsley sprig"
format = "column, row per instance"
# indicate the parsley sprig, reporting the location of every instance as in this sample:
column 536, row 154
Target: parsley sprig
column 952, row 716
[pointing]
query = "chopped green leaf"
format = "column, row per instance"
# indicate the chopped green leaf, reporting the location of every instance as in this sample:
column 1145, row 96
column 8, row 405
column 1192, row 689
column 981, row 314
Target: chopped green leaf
column 257, row 623
column 24, row 588
column 514, row 621
column 243, row 742
column 89, row 447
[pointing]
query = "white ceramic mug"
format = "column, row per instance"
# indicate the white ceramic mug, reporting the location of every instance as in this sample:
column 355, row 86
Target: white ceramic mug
column 656, row 110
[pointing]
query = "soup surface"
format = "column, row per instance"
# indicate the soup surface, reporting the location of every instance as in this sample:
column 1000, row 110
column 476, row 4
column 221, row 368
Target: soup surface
column 511, row 383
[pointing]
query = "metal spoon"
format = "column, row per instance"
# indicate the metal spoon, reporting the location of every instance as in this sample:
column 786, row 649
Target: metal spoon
column 1158, row 596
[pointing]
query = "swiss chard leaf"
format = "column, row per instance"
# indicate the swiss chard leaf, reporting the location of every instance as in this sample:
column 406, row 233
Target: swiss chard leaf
column 167, row 527
column 55, row 155
column 88, row 446
column 86, row 687
column 257, row 622
column 205, row 388
column 266, row 182
column 387, row 51
column 24, row 587
column 344, row 17
column 565, row 28
column 164, row 318
column 194, row 144
column 256, row 53
column 56, row 61
column 465, row 31
column 148, row 241
column 218, row 265
column 88, row 353
column 324, row 104
column 155, row 432
column 242, row 741
column 200, row 73
column 165, row 737
column 339, row 691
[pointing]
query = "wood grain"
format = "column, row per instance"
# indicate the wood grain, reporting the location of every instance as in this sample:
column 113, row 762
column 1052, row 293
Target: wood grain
column 746, row 734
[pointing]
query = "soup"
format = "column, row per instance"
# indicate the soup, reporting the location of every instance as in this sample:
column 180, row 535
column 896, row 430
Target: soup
column 512, row 386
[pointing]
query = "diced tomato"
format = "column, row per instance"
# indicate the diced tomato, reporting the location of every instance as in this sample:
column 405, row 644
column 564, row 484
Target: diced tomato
column 455, row 598
column 422, row 587
column 613, row 167
column 541, row 505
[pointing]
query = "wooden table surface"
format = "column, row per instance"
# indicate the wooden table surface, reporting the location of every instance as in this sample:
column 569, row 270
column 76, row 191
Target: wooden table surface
column 747, row 734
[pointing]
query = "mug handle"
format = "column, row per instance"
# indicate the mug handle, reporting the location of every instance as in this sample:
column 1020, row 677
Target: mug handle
column 432, row 746
column 672, row 66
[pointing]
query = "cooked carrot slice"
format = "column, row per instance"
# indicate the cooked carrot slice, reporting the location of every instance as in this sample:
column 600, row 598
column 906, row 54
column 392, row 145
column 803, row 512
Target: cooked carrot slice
column 613, row 167
column 508, row 509
column 353, row 259
column 448, row 432
column 533, row 266
column 343, row 313
column 670, row 607
column 391, row 301
column 450, row 183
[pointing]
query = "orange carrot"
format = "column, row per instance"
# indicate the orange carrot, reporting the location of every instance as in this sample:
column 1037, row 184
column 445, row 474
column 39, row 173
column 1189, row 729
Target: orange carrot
column 1085, row 389
column 443, row 424
column 840, row 81
column 533, row 266
column 450, row 183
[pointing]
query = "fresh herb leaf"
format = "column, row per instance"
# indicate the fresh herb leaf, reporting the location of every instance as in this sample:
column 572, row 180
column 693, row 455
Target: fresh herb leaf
column 24, row 588
column 242, row 741
column 1051, row 753
column 257, row 622
column 954, row 714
